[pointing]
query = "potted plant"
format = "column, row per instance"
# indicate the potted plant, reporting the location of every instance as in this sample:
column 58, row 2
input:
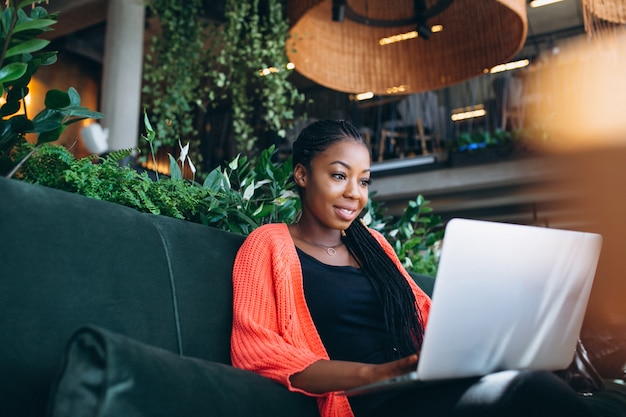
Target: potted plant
column 21, row 56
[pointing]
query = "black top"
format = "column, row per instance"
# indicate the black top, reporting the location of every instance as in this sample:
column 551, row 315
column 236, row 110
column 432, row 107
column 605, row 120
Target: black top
column 346, row 311
column 349, row 319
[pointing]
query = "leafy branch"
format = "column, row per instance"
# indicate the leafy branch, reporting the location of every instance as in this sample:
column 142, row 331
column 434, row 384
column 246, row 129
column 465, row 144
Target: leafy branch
column 194, row 64
column 21, row 57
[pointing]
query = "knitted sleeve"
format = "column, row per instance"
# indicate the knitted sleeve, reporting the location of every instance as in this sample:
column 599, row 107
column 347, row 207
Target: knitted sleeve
column 267, row 336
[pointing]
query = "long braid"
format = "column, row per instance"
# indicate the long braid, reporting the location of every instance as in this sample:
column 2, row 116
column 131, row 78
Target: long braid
column 402, row 315
column 399, row 305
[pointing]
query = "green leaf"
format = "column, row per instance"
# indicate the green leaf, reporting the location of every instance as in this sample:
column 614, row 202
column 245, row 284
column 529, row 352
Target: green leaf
column 146, row 122
column 10, row 107
column 258, row 211
column 40, row 12
column 262, row 211
column 12, row 72
column 49, row 59
column 74, row 97
column 48, row 120
column 27, row 47
column 50, row 135
column 213, row 181
column 74, row 120
column 21, row 124
column 57, row 99
column 174, row 169
column 79, row 111
column 17, row 93
column 33, row 24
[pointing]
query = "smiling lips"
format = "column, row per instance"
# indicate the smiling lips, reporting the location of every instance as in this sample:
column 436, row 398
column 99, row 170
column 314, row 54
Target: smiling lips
column 346, row 213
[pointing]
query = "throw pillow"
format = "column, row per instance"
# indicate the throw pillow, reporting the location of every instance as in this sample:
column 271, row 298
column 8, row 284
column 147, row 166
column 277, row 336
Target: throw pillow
column 110, row 375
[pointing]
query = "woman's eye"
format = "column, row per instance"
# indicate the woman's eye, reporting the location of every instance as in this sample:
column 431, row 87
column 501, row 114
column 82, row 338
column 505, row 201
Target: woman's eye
column 366, row 182
column 339, row 176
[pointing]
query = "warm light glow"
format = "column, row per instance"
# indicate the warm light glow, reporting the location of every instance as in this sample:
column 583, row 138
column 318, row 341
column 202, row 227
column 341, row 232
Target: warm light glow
column 162, row 166
column 539, row 3
column 268, row 71
column 397, row 89
column 468, row 113
column 35, row 98
column 510, row 66
column 406, row 36
column 364, row 96
column 586, row 87
column 398, row 38
column 273, row 70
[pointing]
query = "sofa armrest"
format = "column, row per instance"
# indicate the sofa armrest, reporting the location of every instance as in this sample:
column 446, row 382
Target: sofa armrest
column 109, row 375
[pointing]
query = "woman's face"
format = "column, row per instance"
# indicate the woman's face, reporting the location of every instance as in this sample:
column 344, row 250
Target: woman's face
column 336, row 186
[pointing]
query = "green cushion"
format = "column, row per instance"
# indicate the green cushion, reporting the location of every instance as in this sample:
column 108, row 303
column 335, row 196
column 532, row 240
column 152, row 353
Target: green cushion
column 109, row 375
column 425, row 282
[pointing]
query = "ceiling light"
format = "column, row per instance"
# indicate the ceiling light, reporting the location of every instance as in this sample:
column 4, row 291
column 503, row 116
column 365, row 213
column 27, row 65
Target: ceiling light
column 406, row 36
column 397, row 38
column 510, row 66
column 364, row 96
column 396, row 89
column 468, row 113
column 436, row 28
column 268, row 71
column 273, row 70
column 539, row 3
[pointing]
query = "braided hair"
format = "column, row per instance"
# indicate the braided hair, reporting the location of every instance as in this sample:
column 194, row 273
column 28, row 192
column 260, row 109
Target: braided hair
column 402, row 317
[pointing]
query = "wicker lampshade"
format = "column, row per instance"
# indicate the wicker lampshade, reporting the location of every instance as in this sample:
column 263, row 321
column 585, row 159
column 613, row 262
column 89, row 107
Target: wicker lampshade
column 613, row 11
column 604, row 17
column 349, row 56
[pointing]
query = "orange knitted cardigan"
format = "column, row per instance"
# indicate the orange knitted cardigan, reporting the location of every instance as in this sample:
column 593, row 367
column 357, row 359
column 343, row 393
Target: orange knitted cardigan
column 273, row 333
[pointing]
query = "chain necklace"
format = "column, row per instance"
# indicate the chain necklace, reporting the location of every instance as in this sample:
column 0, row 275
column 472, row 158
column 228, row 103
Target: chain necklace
column 331, row 250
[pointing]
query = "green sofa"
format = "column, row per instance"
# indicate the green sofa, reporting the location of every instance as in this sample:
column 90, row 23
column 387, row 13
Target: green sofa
column 149, row 287
column 109, row 312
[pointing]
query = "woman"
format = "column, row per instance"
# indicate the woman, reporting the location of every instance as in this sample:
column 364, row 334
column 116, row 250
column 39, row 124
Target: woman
column 324, row 304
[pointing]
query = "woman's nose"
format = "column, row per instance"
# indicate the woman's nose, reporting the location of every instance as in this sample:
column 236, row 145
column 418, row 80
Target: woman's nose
column 352, row 190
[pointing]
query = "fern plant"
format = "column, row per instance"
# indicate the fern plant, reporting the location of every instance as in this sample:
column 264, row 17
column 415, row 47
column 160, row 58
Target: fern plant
column 239, row 196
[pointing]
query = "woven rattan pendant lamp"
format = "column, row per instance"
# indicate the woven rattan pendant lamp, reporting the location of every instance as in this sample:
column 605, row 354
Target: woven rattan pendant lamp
column 604, row 17
column 613, row 11
column 355, row 46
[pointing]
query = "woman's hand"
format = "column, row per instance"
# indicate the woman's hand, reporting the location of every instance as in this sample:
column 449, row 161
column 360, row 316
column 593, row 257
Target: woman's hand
column 391, row 369
column 327, row 376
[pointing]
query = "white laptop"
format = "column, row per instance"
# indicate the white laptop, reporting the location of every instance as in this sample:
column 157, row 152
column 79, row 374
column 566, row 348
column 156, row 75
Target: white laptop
column 506, row 297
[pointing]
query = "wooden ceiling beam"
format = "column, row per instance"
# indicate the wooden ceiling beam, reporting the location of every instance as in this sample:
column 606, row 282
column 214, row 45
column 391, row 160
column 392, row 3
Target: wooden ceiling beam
column 75, row 15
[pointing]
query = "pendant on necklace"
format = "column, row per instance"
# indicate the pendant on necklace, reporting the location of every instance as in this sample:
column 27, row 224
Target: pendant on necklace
column 331, row 251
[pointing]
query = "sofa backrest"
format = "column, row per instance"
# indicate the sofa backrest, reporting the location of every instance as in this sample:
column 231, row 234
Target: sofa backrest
column 68, row 260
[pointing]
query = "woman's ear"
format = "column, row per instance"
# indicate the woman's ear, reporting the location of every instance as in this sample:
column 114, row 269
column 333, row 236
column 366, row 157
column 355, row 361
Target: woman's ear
column 300, row 175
